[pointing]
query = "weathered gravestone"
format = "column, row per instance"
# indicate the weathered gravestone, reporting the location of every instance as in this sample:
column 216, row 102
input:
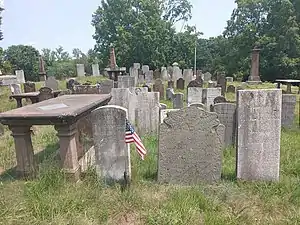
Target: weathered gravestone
column 149, row 76
column 148, row 88
column 178, row 101
column 29, row 87
column 164, row 113
column 52, row 83
column 221, row 82
column 95, row 69
column 134, row 72
column 170, row 93
column 288, row 110
column 71, row 83
column 194, row 95
column 177, row 73
column 195, row 83
column 126, row 82
column 190, row 147
column 80, row 70
column 207, row 77
column 106, row 86
column 258, row 134
column 111, row 151
column 187, row 75
column 156, row 74
column 15, row 89
column 231, row 89
column 180, row 84
column 227, row 116
column 199, row 105
column 220, row 99
column 86, row 89
column 164, row 74
column 45, row 94
column 209, row 95
column 229, row 79
column 145, row 69
column 158, row 86
column 20, row 76
column 137, row 65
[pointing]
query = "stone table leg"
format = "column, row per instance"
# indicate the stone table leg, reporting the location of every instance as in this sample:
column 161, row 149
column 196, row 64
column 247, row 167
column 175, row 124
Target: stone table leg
column 19, row 102
column 289, row 88
column 26, row 165
column 68, row 150
column 278, row 85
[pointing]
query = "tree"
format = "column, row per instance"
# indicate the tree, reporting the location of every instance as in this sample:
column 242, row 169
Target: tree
column 23, row 57
column 1, row 34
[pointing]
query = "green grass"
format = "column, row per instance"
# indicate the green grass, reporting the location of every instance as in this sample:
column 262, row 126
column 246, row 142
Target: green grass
column 51, row 199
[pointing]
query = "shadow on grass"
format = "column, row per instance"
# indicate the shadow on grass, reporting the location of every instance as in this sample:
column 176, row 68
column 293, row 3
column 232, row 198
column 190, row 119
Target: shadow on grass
column 49, row 152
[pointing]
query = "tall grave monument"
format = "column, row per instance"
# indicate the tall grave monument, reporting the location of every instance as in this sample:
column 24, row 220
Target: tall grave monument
column 254, row 77
column 114, row 71
column 42, row 72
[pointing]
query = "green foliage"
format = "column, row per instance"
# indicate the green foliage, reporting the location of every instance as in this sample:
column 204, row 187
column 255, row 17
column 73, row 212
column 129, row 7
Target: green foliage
column 23, row 57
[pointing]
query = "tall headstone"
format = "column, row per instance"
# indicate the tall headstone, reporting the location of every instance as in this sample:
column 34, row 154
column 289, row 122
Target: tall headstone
column 145, row 69
column 137, row 65
column 164, row 74
column 80, row 70
column 134, row 72
column 42, row 71
column 258, row 134
column 178, row 101
column 95, row 69
column 177, row 72
column 180, row 84
column 227, row 116
column 158, row 86
column 187, row 75
column 170, row 84
column 170, row 93
column 222, row 83
column 209, row 95
column 254, row 77
column 111, row 151
column 207, row 77
column 20, row 76
column 190, row 147
column 288, row 110
column 194, row 95
column 52, row 83
column 29, row 87
column 149, row 76
column 126, row 82
column 156, row 74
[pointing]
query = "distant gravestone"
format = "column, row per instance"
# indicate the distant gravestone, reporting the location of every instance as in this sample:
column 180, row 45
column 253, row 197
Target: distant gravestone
column 158, row 86
column 145, row 69
column 190, row 147
column 227, row 116
column 111, row 151
column 231, row 89
column 106, row 86
column 146, row 86
column 29, row 87
column 177, row 73
column 258, row 134
column 86, row 89
column 52, row 83
column 178, row 101
column 170, row 84
column 169, row 93
column 80, row 70
column 137, row 65
column 221, row 82
column 207, row 77
column 45, row 94
column 195, row 83
column 71, row 83
column 15, row 89
column 20, row 76
column 156, row 74
column 220, row 99
column 134, row 72
column 126, row 82
column 194, row 95
column 180, row 84
column 229, row 79
column 95, row 69
column 288, row 110
column 209, row 95
column 187, row 75
column 164, row 74
column 149, row 77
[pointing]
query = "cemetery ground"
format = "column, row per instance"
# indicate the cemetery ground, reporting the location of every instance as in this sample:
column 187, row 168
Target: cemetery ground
column 51, row 199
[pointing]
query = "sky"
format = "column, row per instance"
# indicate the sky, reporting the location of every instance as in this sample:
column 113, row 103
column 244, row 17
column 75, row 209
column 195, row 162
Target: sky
column 51, row 23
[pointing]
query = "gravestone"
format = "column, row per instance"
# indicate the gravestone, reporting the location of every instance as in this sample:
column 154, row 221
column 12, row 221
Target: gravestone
column 170, row 84
column 20, row 76
column 258, row 134
column 288, row 110
column 190, row 147
column 126, row 82
column 137, row 65
column 195, row 83
column 111, row 151
column 158, row 86
column 105, row 86
column 86, row 89
column 156, row 74
column 45, row 94
column 209, row 95
column 221, row 82
column 164, row 74
column 145, row 69
column 177, row 73
column 229, row 79
column 52, row 83
column 199, row 105
column 15, row 89
column 187, row 75
column 148, row 88
column 231, row 89
column 178, row 101
column 95, row 69
column 134, row 72
column 227, row 116
column 71, row 83
column 194, row 95
column 149, row 77
column 220, row 99
column 180, row 84
column 170, row 93
column 29, row 87
column 212, row 84
column 80, row 70
column 207, row 77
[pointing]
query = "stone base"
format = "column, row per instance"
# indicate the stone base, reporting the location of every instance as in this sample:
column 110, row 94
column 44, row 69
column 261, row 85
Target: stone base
column 253, row 82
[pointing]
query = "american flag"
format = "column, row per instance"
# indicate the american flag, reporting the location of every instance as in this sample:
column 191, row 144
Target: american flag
column 131, row 136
